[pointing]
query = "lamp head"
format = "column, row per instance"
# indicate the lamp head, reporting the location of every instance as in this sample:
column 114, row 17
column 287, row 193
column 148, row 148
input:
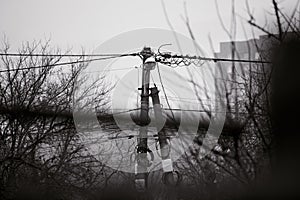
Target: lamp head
column 150, row 63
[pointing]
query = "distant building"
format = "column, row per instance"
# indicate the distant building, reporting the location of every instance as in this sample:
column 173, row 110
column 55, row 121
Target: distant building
column 238, row 73
column 253, row 49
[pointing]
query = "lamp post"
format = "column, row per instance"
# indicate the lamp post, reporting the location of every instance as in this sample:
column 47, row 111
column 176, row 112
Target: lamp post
column 142, row 163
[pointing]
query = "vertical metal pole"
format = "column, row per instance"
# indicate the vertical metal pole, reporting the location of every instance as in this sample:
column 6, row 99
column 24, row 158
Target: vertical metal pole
column 142, row 160
column 165, row 148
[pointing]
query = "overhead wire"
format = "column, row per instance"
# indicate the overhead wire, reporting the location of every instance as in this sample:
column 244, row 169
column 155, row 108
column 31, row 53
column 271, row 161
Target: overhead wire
column 186, row 60
column 170, row 109
column 56, row 64
column 109, row 70
column 164, row 91
column 65, row 55
column 160, row 54
column 164, row 58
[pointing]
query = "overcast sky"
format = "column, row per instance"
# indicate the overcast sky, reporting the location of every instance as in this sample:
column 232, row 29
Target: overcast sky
column 76, row 24
column 87, row 24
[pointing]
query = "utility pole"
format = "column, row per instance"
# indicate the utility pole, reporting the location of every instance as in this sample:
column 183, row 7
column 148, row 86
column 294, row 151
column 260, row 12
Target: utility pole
column 142, row 162
column 165, row 148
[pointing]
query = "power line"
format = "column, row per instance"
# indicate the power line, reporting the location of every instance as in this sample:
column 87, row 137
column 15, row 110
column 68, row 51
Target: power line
column 56, row 64
column 164, row 91
column 185, row 60
column 65, row 55
column 172, row 109
column 164, row 58
column 194, row 101
column 125, row 111
column 110, row 70
column 161, row 57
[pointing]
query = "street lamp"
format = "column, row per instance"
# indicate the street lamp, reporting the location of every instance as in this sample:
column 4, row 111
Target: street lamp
column 150, row 63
